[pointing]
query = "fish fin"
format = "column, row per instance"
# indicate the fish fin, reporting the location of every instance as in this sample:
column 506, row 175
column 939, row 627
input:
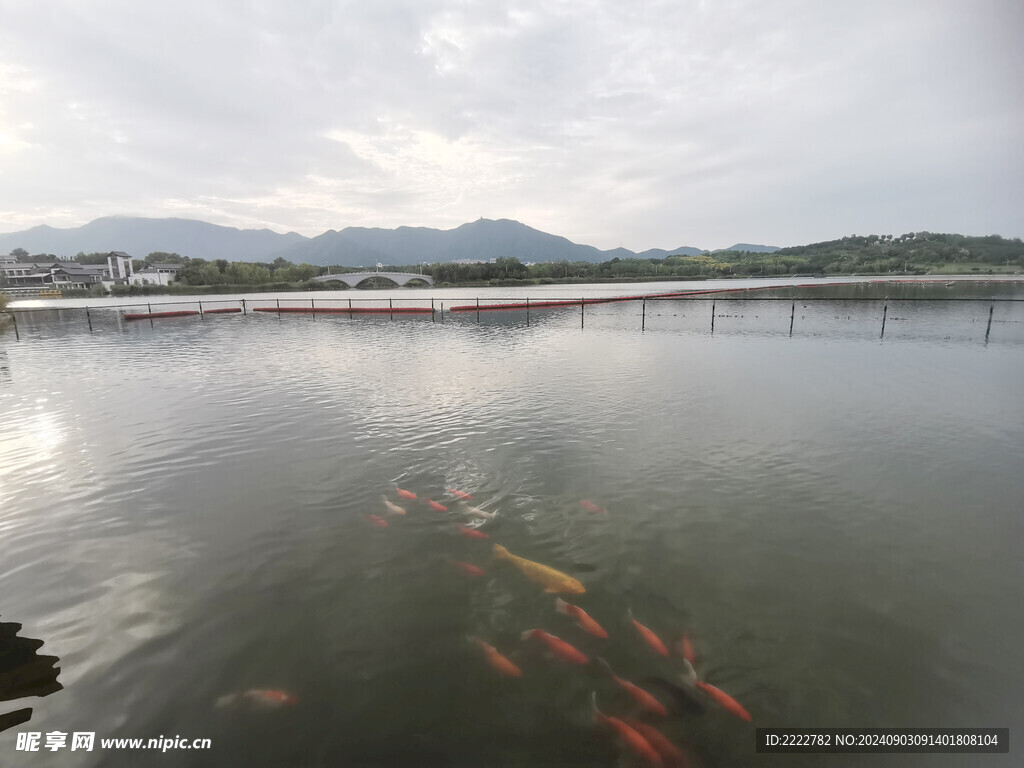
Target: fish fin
column 563, row 607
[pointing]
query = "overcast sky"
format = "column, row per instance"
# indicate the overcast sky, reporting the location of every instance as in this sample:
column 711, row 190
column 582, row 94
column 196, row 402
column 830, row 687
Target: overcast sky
column 642, row 124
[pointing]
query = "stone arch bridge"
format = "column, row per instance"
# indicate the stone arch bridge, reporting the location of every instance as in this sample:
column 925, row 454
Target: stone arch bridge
column 353, row 279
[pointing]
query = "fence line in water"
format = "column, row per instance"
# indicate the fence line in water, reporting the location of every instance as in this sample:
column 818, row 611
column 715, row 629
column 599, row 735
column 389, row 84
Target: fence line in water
column 375, row 306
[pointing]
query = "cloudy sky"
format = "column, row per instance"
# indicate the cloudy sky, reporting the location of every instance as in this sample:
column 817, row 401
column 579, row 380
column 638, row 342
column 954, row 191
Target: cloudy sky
column 642, row 124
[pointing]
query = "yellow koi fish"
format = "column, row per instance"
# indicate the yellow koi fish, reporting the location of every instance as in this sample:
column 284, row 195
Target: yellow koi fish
column 552, row 580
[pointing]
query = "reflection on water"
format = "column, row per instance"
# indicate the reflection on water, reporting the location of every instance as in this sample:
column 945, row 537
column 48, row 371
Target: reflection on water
column 831, row 518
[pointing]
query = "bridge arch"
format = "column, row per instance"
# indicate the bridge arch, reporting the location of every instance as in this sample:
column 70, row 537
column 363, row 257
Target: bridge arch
column 354, row 279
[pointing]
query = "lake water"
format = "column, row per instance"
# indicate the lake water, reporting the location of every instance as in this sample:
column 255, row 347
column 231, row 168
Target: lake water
column 833, row 517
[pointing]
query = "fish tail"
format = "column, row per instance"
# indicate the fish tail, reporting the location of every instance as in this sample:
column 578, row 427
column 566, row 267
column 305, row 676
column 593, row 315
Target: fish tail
column 563, row 607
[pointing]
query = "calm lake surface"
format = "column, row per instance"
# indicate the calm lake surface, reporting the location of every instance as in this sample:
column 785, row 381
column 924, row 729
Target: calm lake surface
column 833, row 517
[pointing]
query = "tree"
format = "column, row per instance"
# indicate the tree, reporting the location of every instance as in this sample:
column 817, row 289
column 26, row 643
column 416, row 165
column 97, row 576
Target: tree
column 20, row 254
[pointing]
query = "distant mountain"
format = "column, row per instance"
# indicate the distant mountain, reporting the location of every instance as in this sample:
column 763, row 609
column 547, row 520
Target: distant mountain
column 658, row 253
column 483, row 239
column 749, row 248
column 139, row 237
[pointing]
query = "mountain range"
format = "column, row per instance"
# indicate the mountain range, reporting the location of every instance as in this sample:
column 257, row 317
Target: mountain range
column 353, row 246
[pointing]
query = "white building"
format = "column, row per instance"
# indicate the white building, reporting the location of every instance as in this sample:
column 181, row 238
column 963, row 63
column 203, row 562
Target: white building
column 156, row 274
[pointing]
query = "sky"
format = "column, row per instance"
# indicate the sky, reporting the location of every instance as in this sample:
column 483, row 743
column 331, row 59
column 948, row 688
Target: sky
column 642, row 124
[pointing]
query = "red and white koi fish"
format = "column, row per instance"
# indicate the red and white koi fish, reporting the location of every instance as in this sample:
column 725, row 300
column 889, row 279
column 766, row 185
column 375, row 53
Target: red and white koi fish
column 436, row 507
column 405, row 494
column 724, row 700
column 630, row 738
column 472, row 533
column 477, row 512
column 498, row 662
column 649, row 637
column 468, row 568
column 646, row 701
column 259, row 697
column 394, row 509
column 686, row 649
column 671, row 755
column 459, row 494
column 583, row 619
column 557, row 646
column 592, row 507
column 377, row 520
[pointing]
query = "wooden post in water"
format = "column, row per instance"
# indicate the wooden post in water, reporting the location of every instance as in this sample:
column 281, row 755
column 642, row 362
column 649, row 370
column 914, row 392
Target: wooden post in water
column 433, row 319
column 149, row 309
column 885, row 311
column 989, row 326
column 442, row 311
column 244, row 312
column 712, row 315
column 14, row 317
column 201, row 315
column 581, row 312
column 527, row 311
column 312, row 306
column 278, row 309
column 792, row 314
column 643, row 314
column 478, row 309
column 89, row 318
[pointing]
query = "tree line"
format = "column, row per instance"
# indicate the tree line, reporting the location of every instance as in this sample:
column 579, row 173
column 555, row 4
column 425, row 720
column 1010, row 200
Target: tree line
column 912, row 252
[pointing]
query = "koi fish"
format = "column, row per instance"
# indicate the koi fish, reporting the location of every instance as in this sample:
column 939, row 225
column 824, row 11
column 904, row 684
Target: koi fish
column 394, row 509
column 633, row 741
column 646, row 701
column 472, row 533
column 377, row 520
column 552, row 580
column 592, row 507
column 459, row 494
column 477, row 512
column 686, row 649
column 499, row 663
column 259, row 697
column 649, row 637
column 557, row 646
column 583, row 619
column 468, row 568
column 437, row 507
column 670, row 754
column 723, row 699
column 685, row 696
column 405, row 494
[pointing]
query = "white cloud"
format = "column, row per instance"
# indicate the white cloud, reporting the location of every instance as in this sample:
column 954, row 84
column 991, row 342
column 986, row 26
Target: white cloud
column 651, row 124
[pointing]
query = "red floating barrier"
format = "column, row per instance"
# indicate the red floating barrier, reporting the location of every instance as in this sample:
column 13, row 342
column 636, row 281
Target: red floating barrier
column 221, row 311
column 348, row 311
column 152, row 315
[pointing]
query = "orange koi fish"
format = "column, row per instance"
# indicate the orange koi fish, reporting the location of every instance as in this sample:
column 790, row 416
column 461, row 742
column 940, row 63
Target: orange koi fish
column 724, row 700
column 405, row 494
column 437, row 507
column 583, row 619
column 686, row 649
column 646, row 701
column 633, row 741
column 377, row 520
column 259, row 697
column 394, row 509
column 649, row 637
column 468, row 568
column 557, row 646
column 472, row 533
column 499, row 663
column 459, row 494
column 670, row 754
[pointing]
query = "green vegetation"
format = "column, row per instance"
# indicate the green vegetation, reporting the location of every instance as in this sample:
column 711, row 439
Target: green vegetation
column 911, row 253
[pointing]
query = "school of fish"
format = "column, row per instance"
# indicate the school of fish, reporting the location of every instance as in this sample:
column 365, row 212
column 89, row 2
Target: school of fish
column 633, row 734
